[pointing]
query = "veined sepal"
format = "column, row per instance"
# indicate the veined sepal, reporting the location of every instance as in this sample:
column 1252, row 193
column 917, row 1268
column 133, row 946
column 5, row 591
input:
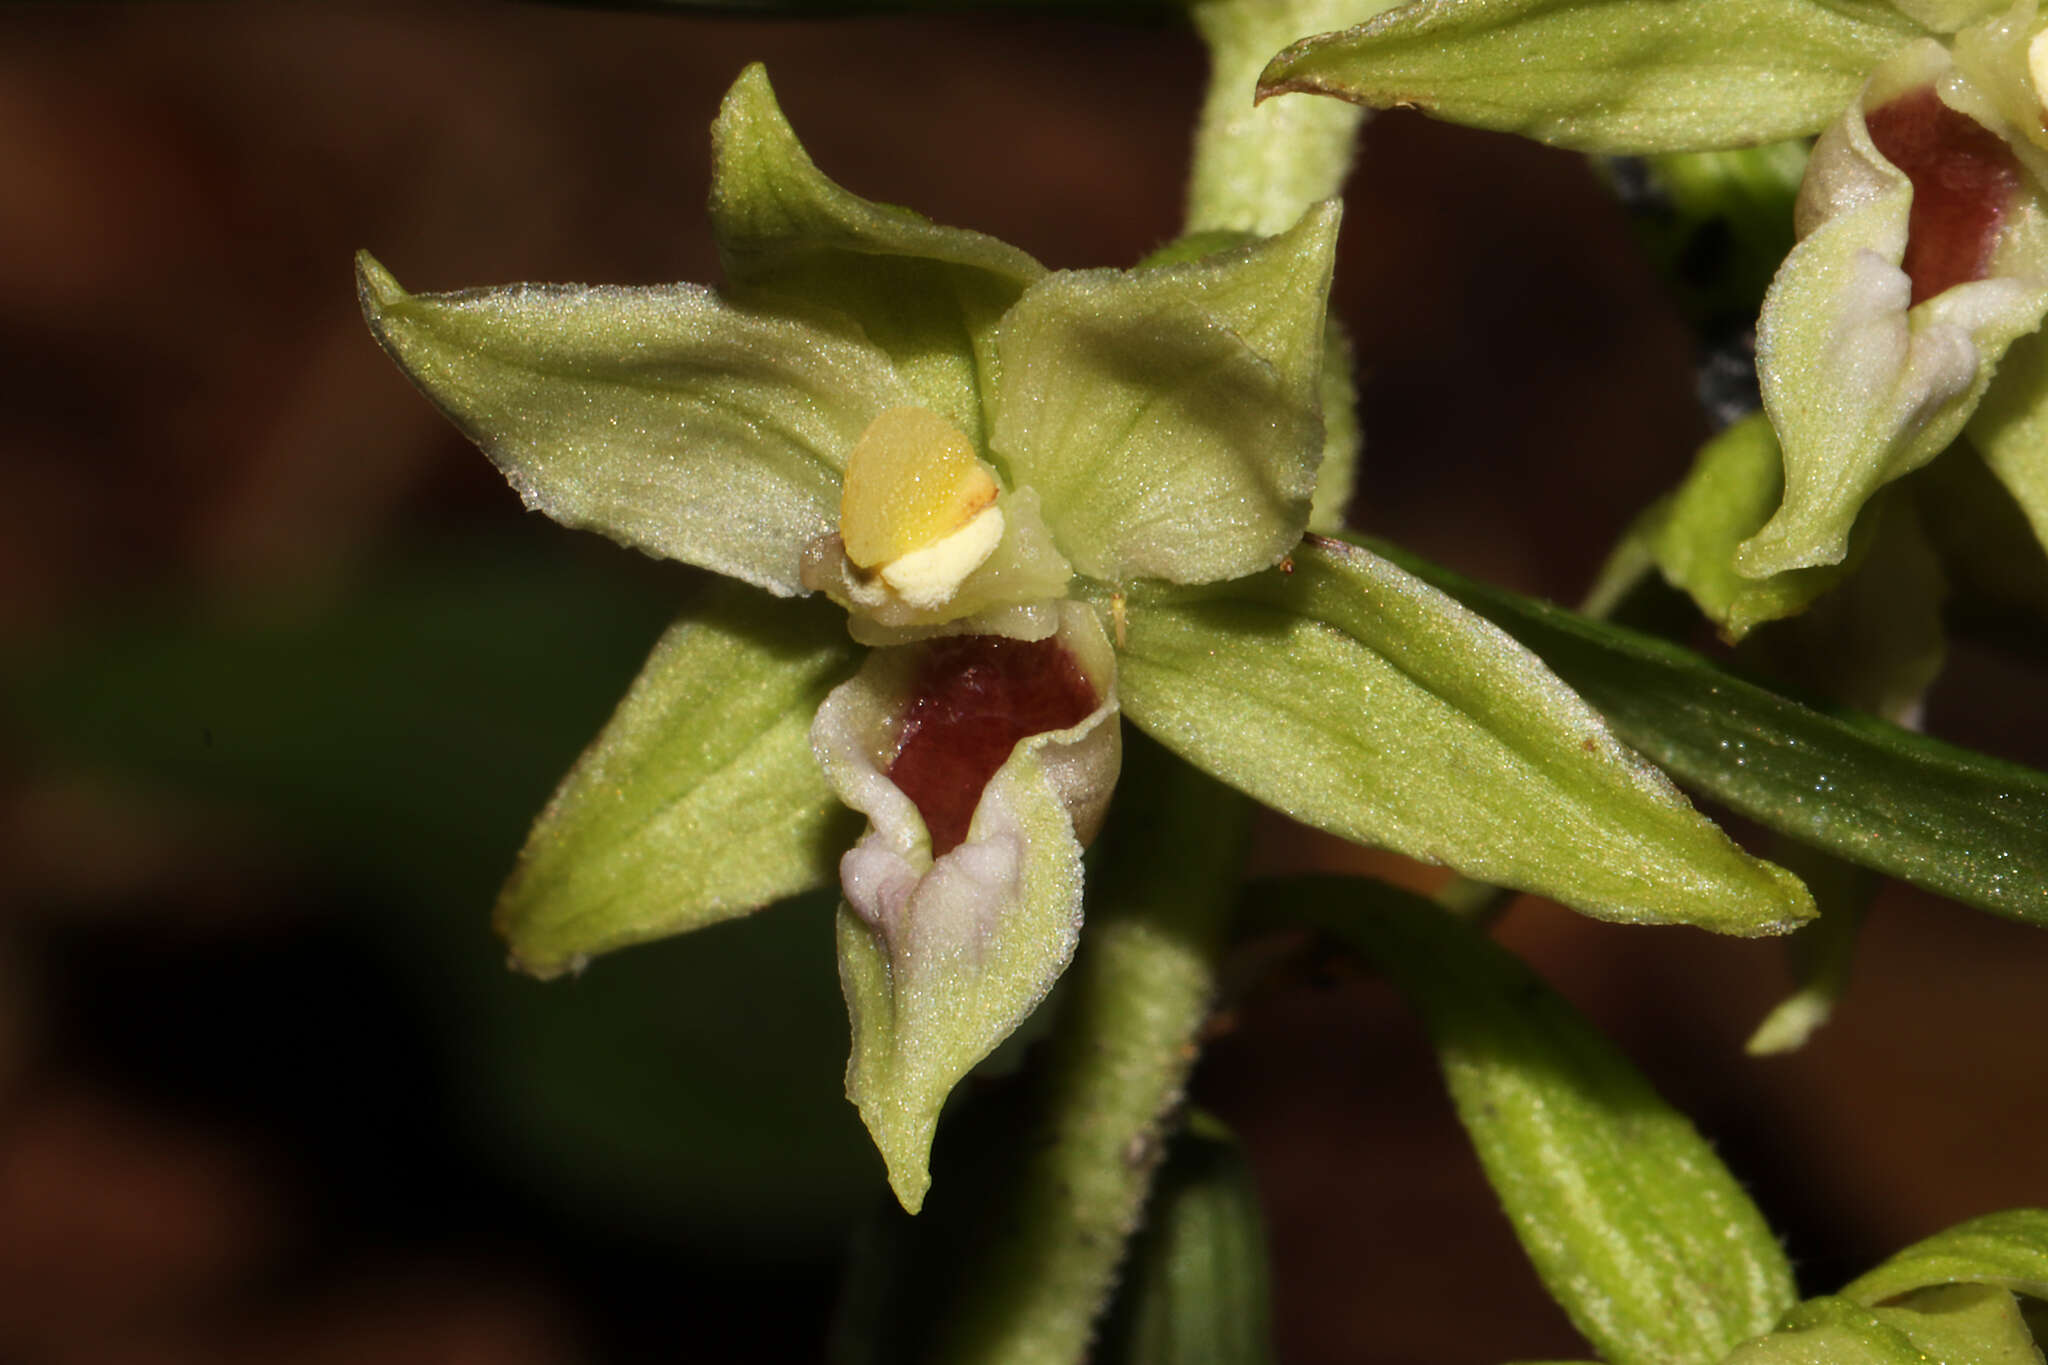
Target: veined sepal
column 941, row 958
column 1862, row 384
column 928, row 295
column 1170, row 417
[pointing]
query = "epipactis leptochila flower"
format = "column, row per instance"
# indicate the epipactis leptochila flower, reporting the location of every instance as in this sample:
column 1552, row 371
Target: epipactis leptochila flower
column 1910, row 310
column 945, row 439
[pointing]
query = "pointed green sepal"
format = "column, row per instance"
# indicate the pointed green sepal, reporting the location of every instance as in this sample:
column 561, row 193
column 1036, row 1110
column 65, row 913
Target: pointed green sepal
column 928, row 295
column 1820, row 953
column 1641, row 1234
column 1355, row 698
column 1617, row 76
column 700, row 800
column 1169, row 417
column 663, row 417
column 2009, row 1250
column 1862, row 384
column 942, row 958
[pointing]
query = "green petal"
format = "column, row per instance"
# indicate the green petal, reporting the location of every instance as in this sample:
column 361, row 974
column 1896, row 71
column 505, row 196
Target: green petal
column 700, row 800
column 930, row 296
column 1735, row 485
column 2011, row 429
column 1621, row 76
column 665, row 418
column 1353, row 697
column 1861, row 387
column 1169, row 418
column 2008, row 1249
column 1639, row 1232
column 1965, row 825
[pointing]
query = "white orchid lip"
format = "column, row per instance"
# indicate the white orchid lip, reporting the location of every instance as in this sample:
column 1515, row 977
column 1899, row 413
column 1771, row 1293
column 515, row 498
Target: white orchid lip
column 2037, row 69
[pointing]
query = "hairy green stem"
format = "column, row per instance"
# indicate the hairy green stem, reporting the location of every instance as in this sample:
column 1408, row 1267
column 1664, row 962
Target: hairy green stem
column 1257, row 168
column 1137, row 996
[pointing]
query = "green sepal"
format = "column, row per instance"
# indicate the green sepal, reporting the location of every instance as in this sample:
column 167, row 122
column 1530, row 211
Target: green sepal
column 2008, row 1249
column 1959, row 823
column 700, row 800
column 1733, row 488
column 1196, row 1289
column 662, row 417
column 1862, row 385
column 928, row 295
column 1169, row 417
column 1992, row 558
column 1616, row 76
column 1353, row 697
column 2010, row 429
column 1343, row 438
column 1834, row 1331
column 1640, row 1233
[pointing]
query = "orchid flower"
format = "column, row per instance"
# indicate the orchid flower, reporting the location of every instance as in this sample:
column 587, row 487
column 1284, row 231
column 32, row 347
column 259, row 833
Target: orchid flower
column 1909, row 312
column 1012, row 506
column 940, row 436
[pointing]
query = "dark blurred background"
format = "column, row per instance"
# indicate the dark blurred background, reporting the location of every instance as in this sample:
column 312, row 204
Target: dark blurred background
column 287, row 671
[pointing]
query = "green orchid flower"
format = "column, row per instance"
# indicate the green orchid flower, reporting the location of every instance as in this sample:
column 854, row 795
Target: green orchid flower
column 1005, row 508
column 1909, row 312
column 936, row 433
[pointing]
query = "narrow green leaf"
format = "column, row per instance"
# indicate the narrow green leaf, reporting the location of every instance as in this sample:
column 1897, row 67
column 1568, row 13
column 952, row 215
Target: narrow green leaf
column 1169, row 417
column 1968, row 826
column 1195, row 1292
column 2008, row 1249
column 700, row 800
column 1626, row 76
column 1638, row 1230
column 1355, row 698
column 928, row 295
column 665, row 418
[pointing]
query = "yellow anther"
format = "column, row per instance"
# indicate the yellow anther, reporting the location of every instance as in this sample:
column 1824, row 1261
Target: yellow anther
column 911, row 481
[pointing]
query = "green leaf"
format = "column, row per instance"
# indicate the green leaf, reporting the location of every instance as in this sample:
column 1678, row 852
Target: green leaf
column 2008, row 1249
column 1195, row 1292
column 1832, row 1331
column 1627, row 76
column 1965, row 825
column 930, row 296
column 1351, row 696
column 663, row 417
column 1640, row 1233
column 1169, row 418
column 701, row 799
column 1863, row 385
column 1731, row 492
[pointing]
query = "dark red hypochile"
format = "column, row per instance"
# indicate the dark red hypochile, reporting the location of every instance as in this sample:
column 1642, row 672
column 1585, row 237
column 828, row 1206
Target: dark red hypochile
column 1964, row 179
column 975, row 697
